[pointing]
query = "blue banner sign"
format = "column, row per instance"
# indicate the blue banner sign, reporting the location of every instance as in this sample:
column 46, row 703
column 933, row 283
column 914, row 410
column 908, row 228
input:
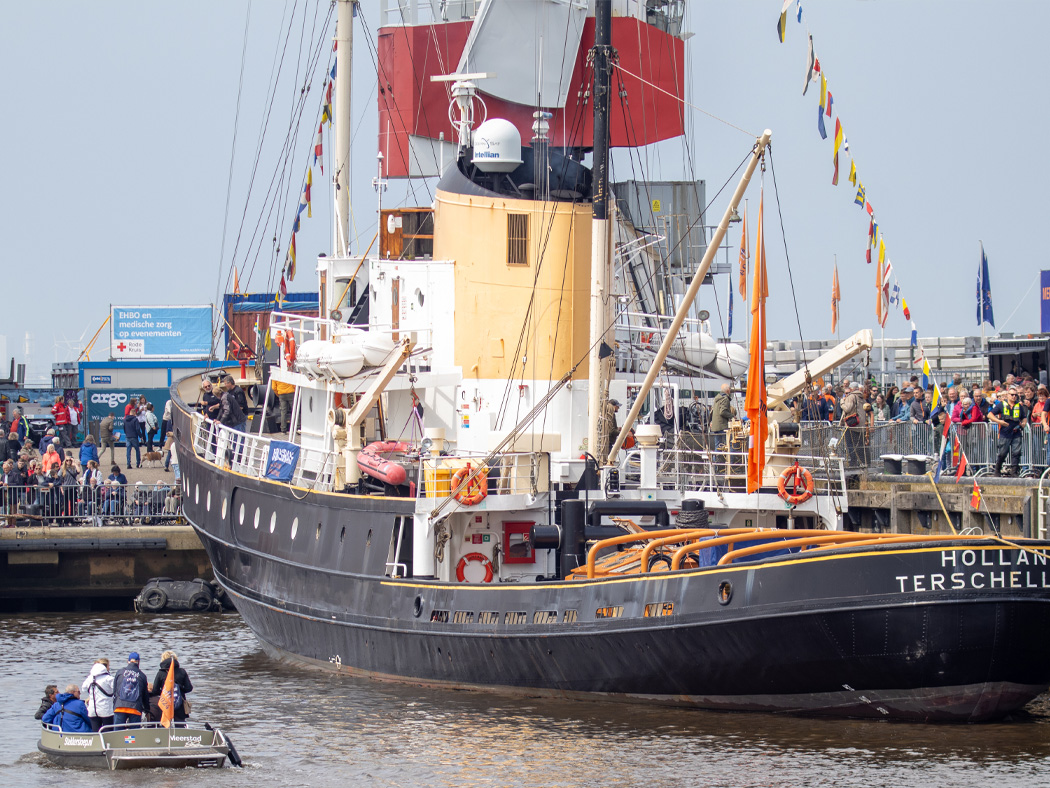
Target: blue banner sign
column 1044, row 301
column 281, row 461
column 101, row 378
column 160, row 332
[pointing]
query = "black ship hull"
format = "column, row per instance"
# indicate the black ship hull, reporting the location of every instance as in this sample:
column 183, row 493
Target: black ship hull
column 952, row 631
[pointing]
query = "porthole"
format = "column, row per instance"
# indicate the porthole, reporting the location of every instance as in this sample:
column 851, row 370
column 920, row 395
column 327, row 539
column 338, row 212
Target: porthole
column 317, row 536
column 241, row 517
column 295, row 527
column 273, row 521
column 207, row 502
column 725, row 592
column 197, row 494
column 368, row 540
column 417, row 606
column 310, row 403
column 342, row 533
column 224, row 507
column 256, row 526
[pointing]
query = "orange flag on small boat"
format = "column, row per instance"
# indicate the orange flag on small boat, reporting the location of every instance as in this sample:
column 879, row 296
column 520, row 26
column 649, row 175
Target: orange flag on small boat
column 755, row 399
column 167, row 698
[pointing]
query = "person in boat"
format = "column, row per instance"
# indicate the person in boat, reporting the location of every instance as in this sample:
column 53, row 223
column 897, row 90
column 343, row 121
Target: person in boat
column 721, row 412
column 285, row 393
column 69, row 712
column 46, row 702
column 130, row 693
column 209, row 402
column 98, row 691
column 230, row 386
column 611, row 408
column 183, row 685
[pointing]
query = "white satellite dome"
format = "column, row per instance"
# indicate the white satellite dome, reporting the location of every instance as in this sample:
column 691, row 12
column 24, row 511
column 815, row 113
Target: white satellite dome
column 497, row 146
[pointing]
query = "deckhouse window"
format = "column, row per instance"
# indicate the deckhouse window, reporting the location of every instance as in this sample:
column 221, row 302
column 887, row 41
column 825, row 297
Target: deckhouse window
column 517, row 239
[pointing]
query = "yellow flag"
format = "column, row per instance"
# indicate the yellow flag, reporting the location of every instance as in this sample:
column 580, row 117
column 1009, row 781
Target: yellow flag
column 926, row 369
column 936, row 396
column 853, row 172
column 882, row 251
column 309, row 189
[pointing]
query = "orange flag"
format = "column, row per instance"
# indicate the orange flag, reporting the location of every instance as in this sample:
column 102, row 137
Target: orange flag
column 236, row 282
column 167, row 698
column 755, row 399
column 836, row 296
column 745, row 253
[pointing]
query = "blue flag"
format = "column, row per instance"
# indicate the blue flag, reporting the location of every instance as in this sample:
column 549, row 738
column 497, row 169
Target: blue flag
column 984, row 293
column 820, row 122
column 281, row 461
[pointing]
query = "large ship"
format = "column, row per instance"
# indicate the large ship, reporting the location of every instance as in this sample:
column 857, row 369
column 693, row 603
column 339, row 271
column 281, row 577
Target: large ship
column 453, row 503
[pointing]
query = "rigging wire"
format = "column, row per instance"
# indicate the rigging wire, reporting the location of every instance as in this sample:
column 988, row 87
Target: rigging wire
column 229, row 174
column 787, row 257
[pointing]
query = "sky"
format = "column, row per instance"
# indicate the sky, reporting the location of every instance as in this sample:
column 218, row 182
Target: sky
column 119, row 166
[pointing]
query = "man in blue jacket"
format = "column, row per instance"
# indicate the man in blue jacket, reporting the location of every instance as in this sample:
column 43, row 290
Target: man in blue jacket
column 69, row 712
column 130, row 693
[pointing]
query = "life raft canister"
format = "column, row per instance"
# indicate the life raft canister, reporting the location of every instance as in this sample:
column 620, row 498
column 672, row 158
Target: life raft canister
column 469, row 558
column 801, row 482
column 473, row 493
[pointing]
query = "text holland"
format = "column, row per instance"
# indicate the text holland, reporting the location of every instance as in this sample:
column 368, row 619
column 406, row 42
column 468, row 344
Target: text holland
column 975, row 577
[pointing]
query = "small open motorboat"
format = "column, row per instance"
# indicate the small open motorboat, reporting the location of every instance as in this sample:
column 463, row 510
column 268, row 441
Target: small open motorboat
column 138, row 745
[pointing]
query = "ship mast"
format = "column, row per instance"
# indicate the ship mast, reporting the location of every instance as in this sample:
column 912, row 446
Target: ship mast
column 600, row 229
column 344, row 38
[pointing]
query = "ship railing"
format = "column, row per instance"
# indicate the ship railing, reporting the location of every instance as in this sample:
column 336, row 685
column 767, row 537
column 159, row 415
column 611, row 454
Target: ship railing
column 91, row 504
column 248, row 453
column 513, row 473
column 721, row 469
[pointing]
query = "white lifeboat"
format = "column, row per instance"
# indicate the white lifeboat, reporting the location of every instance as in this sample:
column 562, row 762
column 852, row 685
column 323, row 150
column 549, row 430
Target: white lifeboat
column 319, row 358
column 697, row 348
column 731, row 360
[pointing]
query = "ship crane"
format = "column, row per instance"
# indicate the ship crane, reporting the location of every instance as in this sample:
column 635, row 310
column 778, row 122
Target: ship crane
column 777, row 393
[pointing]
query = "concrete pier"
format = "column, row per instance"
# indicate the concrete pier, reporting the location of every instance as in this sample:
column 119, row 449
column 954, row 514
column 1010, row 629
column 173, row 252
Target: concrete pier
column 64, row 568
column 909, row 505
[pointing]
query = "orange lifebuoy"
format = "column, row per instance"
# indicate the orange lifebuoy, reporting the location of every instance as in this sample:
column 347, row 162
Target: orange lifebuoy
column 795, row 475
column 288, row 341
column 468, row 558
column 473, row 493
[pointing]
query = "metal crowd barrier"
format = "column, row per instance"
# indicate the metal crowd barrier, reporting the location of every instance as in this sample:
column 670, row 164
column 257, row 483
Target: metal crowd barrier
column 862, row 448
column 102, row 504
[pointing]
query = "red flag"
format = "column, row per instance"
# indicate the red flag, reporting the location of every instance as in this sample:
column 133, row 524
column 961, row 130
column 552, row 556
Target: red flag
column 755, row 399
column 962, row 467
column 869, row 209
column 319, row 148
column 975, row 496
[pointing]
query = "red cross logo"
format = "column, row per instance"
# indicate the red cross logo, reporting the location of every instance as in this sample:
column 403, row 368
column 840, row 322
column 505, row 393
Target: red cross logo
column 122, row 347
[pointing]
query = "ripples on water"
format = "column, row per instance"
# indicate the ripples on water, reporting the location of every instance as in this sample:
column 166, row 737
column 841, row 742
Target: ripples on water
column 296, row 727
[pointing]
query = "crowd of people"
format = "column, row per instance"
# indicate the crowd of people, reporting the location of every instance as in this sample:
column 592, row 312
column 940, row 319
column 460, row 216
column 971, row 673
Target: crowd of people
column 124, row 697
column 1010, row 405
column 56, row 481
